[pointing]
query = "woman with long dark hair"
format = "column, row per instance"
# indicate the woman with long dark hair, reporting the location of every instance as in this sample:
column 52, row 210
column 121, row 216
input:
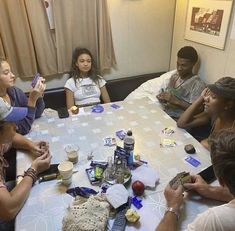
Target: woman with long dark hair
column 85, row 87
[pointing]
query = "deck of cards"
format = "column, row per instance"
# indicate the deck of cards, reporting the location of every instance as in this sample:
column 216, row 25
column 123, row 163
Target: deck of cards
column 180, row 179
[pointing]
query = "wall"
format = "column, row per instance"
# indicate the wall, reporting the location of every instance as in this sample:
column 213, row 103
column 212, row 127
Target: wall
column 214, row 63
column 142, row 35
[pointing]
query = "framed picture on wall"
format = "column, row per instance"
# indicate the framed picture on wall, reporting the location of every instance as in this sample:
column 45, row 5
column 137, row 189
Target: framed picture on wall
column 207, row 21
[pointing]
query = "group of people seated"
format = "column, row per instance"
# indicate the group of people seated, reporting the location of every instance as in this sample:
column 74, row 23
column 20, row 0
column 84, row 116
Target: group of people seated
column 182, row 94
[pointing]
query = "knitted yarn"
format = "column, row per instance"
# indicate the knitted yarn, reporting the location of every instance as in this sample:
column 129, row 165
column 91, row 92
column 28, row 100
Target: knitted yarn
column 91, row 215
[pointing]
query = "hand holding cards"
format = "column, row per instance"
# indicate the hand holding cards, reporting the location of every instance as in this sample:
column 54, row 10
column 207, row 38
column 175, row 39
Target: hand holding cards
column 180, row 179
column 35, row 80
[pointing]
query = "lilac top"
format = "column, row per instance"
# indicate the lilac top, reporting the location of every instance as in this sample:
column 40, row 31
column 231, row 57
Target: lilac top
column 19, row 99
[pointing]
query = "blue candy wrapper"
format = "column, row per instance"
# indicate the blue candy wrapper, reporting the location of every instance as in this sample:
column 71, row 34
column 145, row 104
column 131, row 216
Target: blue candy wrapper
column 115, row 106
column 192, row 161
column 81, row 191
column 136, row 202
column 97, row 109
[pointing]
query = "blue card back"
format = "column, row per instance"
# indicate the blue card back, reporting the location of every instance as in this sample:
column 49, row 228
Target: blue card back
column 192, row 161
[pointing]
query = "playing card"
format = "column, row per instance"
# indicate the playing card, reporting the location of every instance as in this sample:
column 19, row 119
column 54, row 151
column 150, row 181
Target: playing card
column 180, row 179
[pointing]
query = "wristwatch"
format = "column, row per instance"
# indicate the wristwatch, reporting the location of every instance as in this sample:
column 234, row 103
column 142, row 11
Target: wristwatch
column 170, row 209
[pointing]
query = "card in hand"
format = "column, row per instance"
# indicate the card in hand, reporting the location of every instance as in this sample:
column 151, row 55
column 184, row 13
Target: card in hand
column 180, row 179
column 35, row 80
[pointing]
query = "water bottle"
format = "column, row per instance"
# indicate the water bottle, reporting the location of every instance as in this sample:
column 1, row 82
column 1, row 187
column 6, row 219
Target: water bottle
column 129, row 141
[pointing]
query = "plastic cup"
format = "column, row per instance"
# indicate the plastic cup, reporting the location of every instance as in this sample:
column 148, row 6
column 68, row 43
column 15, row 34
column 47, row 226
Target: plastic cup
column 72, row 152
column 66, row 171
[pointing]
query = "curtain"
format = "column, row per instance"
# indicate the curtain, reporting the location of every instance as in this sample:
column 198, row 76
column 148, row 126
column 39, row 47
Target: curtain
column 42, row 36
column 2, row 52
column 74, row 27
column 16, row 39
column 106, row 51
column 29, row 44
column 83, row 23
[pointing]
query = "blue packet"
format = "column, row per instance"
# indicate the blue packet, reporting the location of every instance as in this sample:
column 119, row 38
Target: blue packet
column 97, row 109
column 136, row 202
column 115, row 106
column 121, row 134
column 192, row 161
column 81, row 191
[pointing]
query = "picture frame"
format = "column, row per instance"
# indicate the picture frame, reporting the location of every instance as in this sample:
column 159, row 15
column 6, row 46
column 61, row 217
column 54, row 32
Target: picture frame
column 207, row 22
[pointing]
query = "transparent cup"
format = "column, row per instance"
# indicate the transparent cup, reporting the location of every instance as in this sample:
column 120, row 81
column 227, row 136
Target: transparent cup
column 72, row 151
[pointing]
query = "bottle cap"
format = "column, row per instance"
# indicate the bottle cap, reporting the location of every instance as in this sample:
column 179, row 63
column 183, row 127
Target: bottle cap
column 129, row 133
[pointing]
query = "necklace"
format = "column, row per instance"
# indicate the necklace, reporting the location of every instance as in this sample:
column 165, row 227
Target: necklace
column 179, row 81
column 7, row 98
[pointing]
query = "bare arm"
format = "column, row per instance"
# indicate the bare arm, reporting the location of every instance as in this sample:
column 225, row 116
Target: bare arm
column 167, row 97
column 69, row 98
column 174, row 199
column 168, row 223
column 212, row 192
column 205, row 144
column 191, row 118
column 105, row 95
column 20, row 142
column 12, row 202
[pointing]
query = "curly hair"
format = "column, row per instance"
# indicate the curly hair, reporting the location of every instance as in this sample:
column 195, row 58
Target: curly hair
column 75, row 72
column 223, row 157
column 189, row 53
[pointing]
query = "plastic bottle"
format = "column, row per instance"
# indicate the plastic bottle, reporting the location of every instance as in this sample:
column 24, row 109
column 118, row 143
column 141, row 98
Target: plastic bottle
column 129, row 141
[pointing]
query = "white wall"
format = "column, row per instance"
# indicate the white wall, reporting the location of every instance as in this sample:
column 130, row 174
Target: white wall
column 142, row 35
column 215, row 63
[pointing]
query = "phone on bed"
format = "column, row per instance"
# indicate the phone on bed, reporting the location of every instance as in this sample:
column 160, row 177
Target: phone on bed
column 208, row 174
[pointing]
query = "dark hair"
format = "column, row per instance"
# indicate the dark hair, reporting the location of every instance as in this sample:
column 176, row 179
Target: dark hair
column 189, row 53
column 2, row 122
column 224, row 87
column 75, row 72
column 223, row 157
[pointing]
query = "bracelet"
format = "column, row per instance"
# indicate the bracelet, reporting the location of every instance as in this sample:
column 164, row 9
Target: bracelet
column 31, row 173
column 173, row 211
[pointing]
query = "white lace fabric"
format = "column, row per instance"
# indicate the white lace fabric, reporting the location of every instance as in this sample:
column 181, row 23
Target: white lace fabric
column 90, row 215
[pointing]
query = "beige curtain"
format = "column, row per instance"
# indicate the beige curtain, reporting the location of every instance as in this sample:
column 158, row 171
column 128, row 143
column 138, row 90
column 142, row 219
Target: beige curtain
column 75, row 25
column 42, row 36
column 106, row 51
column 2, row 52
column 26, row 38
column 83, row 23
column 16, row 38
column 30, row 46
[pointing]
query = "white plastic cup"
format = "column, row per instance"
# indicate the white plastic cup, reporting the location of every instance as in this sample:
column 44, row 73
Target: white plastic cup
column 72, row 152
column 66, row 171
